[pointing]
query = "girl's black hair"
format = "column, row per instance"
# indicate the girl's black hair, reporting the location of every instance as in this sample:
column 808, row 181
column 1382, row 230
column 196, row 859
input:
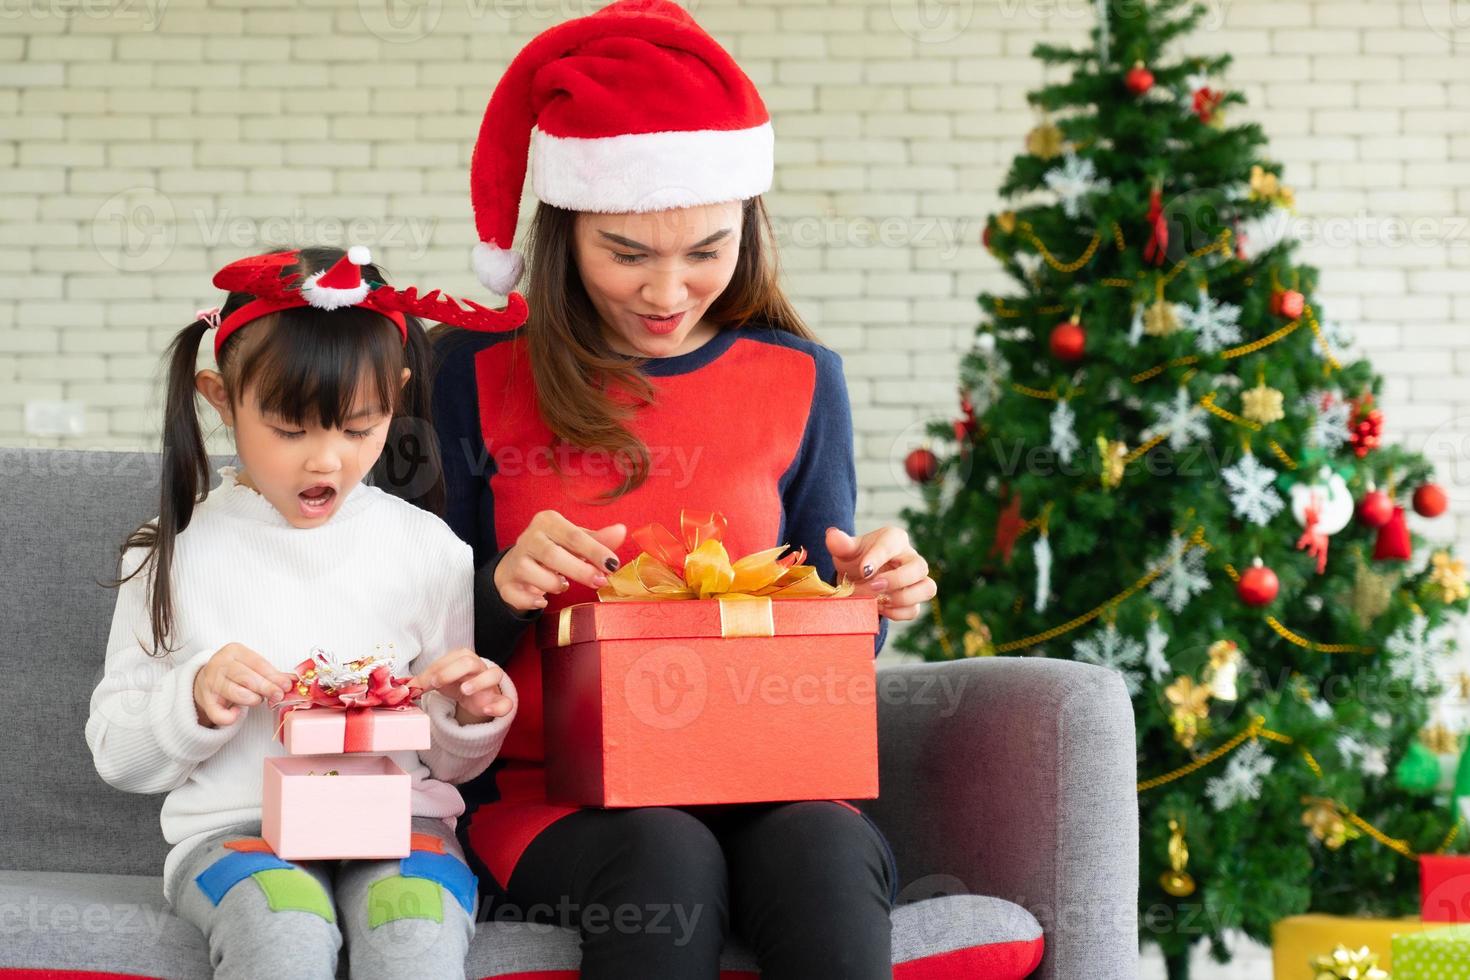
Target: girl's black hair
column 304, row 365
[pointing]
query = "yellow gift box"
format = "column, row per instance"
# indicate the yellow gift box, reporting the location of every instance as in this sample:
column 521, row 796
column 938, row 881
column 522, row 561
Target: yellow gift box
column 1298, row 939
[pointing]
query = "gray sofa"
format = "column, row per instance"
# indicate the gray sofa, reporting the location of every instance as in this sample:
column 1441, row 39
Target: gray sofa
column 1007, row 783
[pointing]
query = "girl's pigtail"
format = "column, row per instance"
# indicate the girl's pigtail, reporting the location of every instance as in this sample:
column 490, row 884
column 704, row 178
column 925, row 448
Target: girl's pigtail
column 411, row 467
column 185, row 480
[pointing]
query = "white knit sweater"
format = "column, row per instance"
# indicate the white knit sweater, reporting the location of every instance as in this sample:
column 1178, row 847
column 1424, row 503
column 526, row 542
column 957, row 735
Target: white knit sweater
column 380, row 576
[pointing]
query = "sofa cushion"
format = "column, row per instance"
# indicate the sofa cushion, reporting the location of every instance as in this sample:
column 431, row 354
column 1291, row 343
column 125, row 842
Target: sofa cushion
column 64, row 517
column 106, row 923
column 92, row 926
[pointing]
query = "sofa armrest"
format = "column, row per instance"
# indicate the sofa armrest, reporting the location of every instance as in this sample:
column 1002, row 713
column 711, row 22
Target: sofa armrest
column 1015, row 777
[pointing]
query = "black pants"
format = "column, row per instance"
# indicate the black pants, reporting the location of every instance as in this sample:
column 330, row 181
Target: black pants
column 654, row 891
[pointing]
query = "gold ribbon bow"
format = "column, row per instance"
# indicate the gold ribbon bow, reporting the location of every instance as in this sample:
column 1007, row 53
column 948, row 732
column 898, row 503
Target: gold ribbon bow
column 695, row 565
column 699, row 567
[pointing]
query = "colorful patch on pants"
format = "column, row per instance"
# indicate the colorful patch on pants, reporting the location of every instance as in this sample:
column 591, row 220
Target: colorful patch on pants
column 286, row 887
column 294, row 890
column 397, row 897
column 447, row 870
column 224, row 874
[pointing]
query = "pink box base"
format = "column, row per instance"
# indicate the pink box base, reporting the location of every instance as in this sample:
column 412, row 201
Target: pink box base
column 364, row 812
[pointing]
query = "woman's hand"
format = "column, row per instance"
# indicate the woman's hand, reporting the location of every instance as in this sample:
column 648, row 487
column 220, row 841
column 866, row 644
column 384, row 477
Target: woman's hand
column 471, row 681
column 234, row 678
column 552, row 553
column 882, row 563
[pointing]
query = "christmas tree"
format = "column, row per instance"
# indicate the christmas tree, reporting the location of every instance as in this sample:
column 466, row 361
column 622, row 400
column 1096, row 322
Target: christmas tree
column 1164, row 467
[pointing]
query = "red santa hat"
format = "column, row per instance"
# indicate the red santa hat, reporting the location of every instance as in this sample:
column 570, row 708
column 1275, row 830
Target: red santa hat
column 633, row 108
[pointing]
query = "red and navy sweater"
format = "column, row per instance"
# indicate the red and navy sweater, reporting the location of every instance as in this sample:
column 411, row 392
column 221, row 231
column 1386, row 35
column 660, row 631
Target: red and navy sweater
column 755, row 423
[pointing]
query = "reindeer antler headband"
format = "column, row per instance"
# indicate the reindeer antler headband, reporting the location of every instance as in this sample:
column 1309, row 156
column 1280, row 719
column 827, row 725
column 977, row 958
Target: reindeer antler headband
column 342, row 285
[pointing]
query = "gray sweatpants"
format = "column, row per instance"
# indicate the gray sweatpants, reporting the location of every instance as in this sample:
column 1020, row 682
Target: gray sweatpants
column 267, row 918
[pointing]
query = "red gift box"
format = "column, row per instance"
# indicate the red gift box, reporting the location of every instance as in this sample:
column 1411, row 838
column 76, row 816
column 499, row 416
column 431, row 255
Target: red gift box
column 732, row 700
column 1444, row 887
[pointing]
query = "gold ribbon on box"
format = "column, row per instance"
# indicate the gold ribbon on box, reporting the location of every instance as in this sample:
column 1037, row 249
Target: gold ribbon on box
column 695, row 565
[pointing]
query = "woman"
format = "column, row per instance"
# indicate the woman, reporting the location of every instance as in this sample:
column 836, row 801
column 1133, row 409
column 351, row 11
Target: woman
column 661, row 367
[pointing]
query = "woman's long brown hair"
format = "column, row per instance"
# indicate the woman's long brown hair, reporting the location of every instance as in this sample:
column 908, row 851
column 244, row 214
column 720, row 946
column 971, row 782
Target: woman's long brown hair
column 303, row 365
column 585, row 391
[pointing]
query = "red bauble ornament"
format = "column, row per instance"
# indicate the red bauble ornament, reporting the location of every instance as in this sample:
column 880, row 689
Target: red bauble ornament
column 1288, row 303
column 1430, row 500
column 921, row 465
column 985, row 239
column 1139, row 79
column 1393, row 539
column 1375, row 509
column 1068, row 341
column 1258, row 586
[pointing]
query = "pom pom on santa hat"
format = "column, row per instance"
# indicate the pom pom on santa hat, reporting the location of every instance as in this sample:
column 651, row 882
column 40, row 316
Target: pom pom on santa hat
column 640, row 110
column 342, row 284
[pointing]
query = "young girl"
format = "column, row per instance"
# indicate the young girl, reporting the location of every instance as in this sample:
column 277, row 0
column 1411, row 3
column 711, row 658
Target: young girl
column 227, row 590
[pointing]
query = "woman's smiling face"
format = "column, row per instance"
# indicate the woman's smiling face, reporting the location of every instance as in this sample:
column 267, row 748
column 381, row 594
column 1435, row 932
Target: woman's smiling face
column 671, row 264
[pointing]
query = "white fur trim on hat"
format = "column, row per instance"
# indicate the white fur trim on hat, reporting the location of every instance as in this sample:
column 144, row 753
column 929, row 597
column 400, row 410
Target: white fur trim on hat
column 498, row 269
column 638, row 172
column 327, row 298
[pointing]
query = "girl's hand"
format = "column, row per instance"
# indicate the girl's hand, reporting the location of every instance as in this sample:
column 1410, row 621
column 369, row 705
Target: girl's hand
column 882, row 563
column 471, row 681
column 551, row 554
column 235, row 678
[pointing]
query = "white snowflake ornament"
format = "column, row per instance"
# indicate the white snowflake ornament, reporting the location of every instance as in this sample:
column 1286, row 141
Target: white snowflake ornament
column 1332, row 424
column 1241, row 780
column 1073, row 181
column 1252, row 494
column 1183, row 576
column 1215, row 325
column 1413, row 651
column 1111, row 649
column 1182, row 421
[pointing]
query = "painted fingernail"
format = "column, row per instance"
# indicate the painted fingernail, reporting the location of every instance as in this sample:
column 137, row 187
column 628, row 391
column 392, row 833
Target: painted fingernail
column 611, row 564
column 867, row 571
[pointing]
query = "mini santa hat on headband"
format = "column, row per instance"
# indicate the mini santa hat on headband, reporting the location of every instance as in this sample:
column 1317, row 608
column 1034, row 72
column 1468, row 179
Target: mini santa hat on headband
column 634, row 108
column 268, row 279
column 342, row 284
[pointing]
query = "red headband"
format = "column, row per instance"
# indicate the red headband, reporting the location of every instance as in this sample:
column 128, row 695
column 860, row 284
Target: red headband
column 342, row 285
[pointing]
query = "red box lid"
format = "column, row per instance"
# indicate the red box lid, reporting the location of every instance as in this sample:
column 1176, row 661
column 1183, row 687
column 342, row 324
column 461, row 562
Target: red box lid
column 683, row 618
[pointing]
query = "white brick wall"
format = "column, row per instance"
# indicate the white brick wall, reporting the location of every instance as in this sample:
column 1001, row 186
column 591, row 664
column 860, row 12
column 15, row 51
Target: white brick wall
column 145, row 143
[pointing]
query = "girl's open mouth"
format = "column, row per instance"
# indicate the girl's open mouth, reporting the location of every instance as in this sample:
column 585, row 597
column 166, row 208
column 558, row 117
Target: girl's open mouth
column 316, row 501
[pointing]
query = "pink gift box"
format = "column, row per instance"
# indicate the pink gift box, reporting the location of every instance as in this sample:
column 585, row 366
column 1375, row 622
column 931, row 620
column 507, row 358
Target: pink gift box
column 328, row 731
column 362, row 812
